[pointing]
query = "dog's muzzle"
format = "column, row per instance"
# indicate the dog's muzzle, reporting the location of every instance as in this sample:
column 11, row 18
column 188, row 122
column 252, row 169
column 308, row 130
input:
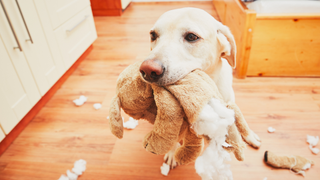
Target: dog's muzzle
column 152, row 70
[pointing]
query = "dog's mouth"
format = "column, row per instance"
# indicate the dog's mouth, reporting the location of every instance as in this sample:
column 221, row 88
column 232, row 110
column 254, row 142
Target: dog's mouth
column 167, row 79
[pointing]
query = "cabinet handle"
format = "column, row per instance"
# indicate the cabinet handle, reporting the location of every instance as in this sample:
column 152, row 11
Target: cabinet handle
column 71, row 29
column 25, row 24
column 13, row 32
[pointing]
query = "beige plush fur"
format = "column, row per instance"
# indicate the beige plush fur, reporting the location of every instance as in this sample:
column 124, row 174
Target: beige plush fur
column 172, row 109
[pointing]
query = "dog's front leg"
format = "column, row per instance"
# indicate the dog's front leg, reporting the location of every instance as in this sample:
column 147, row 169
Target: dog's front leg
column 169, row 157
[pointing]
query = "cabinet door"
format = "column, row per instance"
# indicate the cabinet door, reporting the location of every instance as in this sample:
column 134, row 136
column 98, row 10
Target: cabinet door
column 18, row 91
column 37, row 53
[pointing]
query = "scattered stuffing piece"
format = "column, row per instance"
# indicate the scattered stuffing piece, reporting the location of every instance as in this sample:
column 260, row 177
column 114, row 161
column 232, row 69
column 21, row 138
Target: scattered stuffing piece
column 78, row 169
column 82, row 99
column 97, row 106
column 71, row 175
column 165, row 168
column 131, row 123
column 63, row 177
column 271, row 129
column 313, row 141
column 314, row 150
column 265, row 178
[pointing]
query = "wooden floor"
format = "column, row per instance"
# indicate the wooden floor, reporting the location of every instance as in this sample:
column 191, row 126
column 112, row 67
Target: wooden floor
column 62, row 133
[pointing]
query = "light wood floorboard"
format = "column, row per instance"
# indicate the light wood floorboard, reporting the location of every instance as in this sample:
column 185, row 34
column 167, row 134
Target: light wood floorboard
column 61, row 133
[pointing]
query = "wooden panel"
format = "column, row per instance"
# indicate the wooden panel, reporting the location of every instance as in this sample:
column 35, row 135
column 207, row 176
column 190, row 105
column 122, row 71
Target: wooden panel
column 106, row 7
column 285, row 47
column 5, row 143
column 220, row 6
column 241, row 21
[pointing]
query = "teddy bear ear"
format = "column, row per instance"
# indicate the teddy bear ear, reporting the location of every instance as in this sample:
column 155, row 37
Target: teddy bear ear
column 115, row 119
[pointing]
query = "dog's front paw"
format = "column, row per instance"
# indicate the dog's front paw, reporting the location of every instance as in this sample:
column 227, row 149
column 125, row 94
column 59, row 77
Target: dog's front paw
column 253, row 139
column 169, row 157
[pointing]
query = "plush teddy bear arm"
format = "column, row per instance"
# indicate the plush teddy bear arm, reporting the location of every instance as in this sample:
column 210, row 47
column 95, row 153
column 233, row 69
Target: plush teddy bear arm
column 235, row 140
column 115, row 119
column 247, row 134
column 191, row 148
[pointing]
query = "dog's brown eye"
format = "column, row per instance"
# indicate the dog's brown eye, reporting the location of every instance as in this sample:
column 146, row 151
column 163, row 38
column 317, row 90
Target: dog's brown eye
column 191, row 37
column 153, row 36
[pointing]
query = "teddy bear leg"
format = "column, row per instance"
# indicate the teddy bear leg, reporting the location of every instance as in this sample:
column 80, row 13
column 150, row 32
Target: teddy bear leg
column 190, row 150
column 248, row 135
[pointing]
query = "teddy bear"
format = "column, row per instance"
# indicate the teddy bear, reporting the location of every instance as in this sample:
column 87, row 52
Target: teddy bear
column 172, row 109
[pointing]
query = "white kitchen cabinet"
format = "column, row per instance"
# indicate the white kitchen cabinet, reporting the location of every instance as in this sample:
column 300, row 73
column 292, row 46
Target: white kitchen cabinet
column 18, row 90
column 35, row 51
column 34, row 44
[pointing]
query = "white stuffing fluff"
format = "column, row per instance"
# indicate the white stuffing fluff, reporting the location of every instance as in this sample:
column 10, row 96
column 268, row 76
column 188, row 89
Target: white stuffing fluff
column 265, row 178
column 271, row 129
column 63, row 177
column 214, row 121
column 313, row 140
column 78, row 169
column 314, row 150
column 226, row 145
column 97, row 106
column 165, row 168
column 131, row 123
column 71, row 175
column 306, row 166
column 82, row 99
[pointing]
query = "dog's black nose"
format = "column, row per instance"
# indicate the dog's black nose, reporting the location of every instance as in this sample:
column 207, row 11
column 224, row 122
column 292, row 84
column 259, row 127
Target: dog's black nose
column 152, row 70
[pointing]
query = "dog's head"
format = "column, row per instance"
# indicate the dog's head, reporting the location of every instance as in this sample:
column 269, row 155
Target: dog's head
column 183, row 40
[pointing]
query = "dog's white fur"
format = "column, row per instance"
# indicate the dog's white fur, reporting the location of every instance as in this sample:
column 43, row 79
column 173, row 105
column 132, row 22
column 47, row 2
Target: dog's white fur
column 214, row 52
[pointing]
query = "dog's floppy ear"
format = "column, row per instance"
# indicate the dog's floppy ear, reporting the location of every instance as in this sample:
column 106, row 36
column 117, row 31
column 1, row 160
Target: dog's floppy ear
column 115, row 119
column 227, row 44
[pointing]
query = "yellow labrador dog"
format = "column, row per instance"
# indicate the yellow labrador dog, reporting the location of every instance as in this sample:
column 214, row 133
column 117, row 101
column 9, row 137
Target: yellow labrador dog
column 186, row 39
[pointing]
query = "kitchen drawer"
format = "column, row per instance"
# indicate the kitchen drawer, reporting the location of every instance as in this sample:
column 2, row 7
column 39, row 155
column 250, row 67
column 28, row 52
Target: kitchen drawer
column 76, row 35
column 62, row 10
